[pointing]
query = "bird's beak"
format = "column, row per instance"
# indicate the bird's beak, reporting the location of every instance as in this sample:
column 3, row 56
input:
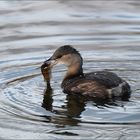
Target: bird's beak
column 49, row 63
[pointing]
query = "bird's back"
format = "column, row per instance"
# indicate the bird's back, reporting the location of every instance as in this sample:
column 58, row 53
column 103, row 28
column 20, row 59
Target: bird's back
column 108, row 79
column 100, row 84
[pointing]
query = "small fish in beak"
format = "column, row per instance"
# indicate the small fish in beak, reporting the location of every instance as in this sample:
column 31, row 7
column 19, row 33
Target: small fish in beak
column 46, row 72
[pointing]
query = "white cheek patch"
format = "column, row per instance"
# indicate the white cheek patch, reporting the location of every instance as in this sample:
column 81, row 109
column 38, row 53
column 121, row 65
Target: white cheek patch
column 69, row 59
column 66, row 60
column 62, row 62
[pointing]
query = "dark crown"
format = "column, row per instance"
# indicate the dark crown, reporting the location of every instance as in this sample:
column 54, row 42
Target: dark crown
column 64, row 50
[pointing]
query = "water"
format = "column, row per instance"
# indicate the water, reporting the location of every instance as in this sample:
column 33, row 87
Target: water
column 107, row 34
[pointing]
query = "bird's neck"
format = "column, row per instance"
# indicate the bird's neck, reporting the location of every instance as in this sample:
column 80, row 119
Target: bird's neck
column 74, row 71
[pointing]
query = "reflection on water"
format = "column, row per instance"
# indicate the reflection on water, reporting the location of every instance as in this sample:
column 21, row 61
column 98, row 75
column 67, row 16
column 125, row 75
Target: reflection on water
column 107, row 36
column 75, row 105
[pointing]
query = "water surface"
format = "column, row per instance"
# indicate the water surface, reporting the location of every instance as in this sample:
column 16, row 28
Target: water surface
column 107, row 34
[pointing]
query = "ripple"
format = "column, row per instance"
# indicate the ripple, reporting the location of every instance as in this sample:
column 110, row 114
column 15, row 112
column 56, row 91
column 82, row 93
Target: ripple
column 24, row 97
column 107, row 36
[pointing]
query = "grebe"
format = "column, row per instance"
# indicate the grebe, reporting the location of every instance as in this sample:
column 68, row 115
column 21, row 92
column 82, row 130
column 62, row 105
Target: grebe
column 99, row 84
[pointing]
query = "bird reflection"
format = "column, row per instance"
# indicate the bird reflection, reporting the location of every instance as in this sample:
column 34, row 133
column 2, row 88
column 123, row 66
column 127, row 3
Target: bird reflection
column 73, row 107
column 69, row 113
column 48, row 99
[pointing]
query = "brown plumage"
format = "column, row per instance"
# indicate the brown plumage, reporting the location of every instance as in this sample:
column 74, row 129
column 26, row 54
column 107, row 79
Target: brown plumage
column 99, row 84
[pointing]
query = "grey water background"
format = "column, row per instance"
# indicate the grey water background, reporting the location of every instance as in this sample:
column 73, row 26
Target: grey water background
column 107, row 34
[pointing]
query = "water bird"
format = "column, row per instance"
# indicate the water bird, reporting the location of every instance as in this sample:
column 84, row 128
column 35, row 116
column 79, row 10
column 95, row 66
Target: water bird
column 99, row 84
